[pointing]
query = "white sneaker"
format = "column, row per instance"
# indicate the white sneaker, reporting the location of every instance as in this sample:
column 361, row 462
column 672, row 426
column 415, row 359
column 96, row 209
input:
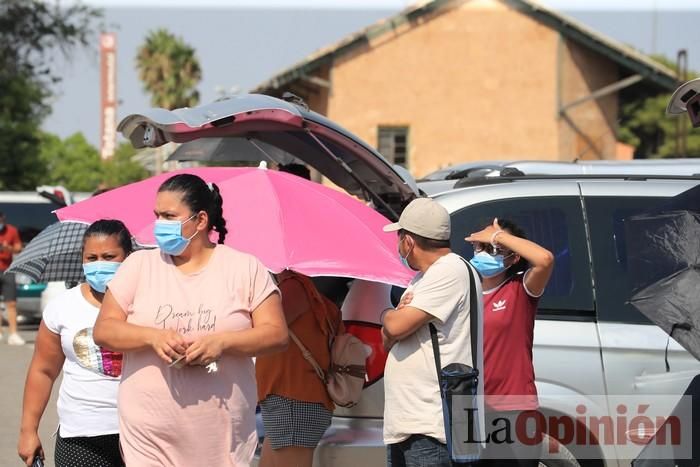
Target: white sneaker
column 15, row 339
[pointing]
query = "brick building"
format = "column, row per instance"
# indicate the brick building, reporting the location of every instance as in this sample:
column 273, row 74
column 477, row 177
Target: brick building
column 451, row 81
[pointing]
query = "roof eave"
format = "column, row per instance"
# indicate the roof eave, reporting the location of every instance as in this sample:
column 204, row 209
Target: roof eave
column 633, row 60
column 320, row 58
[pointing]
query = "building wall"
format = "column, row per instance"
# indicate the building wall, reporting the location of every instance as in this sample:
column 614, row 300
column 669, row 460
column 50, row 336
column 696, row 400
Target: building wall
column 474, row 82
column 477, row 81
column 587, row 131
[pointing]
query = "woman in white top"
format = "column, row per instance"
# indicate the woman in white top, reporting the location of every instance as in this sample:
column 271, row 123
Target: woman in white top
column 88, row 432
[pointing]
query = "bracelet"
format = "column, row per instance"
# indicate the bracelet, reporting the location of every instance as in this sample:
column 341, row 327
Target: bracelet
column 493, row 237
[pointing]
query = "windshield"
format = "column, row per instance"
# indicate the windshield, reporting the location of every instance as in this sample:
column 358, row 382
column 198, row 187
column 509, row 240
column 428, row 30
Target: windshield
column 29, row 218
column 438, row 175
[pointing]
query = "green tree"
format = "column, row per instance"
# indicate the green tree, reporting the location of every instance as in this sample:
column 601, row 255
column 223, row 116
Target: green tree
column 21, row 111
column 169, row 70
column 73, row 162
column 76, row 164
column 32, row 33
column 122, row 169
column 645, row 125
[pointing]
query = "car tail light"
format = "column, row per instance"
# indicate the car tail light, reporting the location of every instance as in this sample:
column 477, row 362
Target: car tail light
column 371, row 335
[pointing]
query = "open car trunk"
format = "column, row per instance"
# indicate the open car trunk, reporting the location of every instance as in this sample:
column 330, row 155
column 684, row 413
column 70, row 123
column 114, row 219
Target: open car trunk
column 281, row 131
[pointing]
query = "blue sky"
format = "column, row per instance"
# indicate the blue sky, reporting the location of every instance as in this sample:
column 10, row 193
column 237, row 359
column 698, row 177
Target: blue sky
column 258, row 43
column 394, row 4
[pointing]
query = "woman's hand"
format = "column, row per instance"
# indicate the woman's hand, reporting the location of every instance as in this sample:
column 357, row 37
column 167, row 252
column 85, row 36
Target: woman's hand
column 485, row 236
column 168, row 344
column 205, row 350
column 29, row 446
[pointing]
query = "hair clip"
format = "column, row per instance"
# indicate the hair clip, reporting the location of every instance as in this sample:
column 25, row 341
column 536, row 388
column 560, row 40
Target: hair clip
column 211, row 186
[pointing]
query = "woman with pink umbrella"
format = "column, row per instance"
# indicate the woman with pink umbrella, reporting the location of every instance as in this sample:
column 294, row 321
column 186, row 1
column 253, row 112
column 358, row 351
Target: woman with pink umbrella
column 188, row 316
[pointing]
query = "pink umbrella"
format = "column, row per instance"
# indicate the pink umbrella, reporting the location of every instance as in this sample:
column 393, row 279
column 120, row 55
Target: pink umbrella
column 286, row 221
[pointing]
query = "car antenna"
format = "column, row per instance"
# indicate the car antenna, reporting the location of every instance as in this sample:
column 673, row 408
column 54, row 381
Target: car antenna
column 294, row 99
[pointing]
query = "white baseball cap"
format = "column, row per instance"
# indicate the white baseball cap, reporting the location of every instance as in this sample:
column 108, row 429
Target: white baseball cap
column 424, row 217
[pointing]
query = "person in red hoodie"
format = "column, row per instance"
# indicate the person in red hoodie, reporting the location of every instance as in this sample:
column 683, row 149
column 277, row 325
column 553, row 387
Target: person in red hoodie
column 10, row 244
column 515, row 272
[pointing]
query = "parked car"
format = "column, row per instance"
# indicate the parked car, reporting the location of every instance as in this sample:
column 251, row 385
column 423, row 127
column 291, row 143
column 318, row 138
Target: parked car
column 31, row 212
column 588, row 341
column 455, row 172
column 465, row 174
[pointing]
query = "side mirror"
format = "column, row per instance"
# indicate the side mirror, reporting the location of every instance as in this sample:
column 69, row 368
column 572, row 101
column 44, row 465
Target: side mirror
column 56, row 194
column 693, row 109
column 686, row 99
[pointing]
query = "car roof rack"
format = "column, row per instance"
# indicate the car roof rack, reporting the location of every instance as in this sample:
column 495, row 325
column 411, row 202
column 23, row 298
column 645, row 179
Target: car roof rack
column 492, row 180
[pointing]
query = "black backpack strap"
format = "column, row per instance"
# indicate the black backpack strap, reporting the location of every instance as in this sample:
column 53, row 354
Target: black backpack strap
column 473, row 312
column 436, row 351
column 474, row 322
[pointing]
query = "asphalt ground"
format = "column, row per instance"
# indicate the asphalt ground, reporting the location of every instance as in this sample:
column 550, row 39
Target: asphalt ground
column 14, row 362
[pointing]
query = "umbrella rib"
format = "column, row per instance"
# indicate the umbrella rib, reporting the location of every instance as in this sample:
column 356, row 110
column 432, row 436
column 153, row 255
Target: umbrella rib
column 280, row 215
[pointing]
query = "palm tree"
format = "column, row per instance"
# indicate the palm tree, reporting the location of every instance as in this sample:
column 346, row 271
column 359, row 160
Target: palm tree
column 169, row 70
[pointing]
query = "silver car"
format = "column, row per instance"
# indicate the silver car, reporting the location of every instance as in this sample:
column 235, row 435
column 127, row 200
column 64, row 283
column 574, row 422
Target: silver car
column 462, row 175
column 588, row 341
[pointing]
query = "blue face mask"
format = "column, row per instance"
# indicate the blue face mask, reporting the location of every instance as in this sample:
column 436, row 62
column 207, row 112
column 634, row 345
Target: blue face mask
column 404, row 259
column 169, row 236
column 99, row 273
column 487, row 265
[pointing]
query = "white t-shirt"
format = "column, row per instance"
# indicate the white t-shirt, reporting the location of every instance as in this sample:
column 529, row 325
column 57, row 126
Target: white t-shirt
column 412, row 403
column 87, row 399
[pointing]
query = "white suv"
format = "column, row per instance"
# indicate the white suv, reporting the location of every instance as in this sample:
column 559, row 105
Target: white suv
column 588, row 341
column 30, row 213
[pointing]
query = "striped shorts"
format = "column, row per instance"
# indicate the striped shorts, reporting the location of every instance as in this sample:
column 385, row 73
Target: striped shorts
column 290, row 422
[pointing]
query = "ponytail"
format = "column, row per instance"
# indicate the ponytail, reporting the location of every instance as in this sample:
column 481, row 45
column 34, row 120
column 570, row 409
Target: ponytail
column 216, row 213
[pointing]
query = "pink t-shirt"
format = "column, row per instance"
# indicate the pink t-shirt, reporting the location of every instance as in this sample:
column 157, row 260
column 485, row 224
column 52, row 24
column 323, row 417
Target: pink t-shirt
column 187, row 416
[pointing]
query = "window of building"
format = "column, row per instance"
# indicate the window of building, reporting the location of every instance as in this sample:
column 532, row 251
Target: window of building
column 393, row 144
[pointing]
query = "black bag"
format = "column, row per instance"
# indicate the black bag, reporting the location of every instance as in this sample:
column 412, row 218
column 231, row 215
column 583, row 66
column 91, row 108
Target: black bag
column 458, row 391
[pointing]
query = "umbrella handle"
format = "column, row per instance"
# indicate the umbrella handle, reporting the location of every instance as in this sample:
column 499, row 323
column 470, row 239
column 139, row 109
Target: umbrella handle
column 685, row 327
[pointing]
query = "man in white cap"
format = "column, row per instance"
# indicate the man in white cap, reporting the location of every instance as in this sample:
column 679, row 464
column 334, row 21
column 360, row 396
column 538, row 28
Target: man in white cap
column 414, row 429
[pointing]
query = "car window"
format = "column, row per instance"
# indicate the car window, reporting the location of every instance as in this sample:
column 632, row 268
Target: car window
column 29, row 218
column 553, row 222
column 608, row 242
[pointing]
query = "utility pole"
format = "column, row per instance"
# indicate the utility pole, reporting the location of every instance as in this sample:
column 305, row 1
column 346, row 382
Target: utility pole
column 654, row 27
column 682, row 123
